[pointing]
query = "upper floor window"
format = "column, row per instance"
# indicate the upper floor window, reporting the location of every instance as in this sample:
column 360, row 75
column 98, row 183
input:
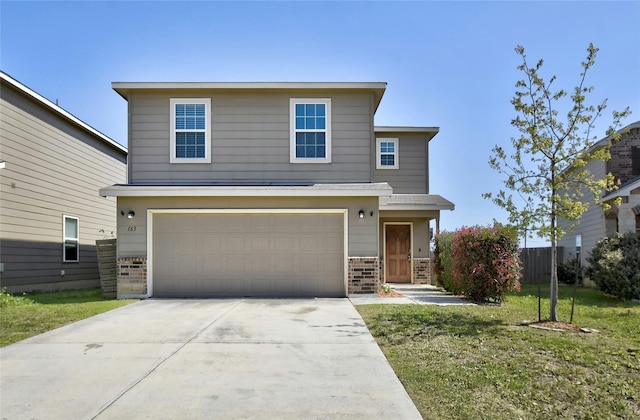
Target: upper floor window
column 635, row 160
column 190, row 138
column 310, row 126
column 387, row 154
column 71, row 239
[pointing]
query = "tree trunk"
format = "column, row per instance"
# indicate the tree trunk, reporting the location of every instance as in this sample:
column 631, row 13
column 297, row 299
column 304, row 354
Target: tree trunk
column 553, row 301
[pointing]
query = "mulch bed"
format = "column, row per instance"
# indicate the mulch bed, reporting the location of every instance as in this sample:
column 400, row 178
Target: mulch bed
column 555, row 326
column 393, row 294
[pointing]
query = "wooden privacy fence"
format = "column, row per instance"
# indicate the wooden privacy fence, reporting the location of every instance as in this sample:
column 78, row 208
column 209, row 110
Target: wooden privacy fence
column 536, row 264
column 106, row 249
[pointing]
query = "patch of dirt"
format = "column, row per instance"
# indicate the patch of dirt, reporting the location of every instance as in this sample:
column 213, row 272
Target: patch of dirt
column 555, row 326
column 392, row 294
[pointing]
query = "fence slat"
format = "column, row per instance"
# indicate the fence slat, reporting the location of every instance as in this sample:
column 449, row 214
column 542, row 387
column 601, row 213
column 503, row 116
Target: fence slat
column 107, row 267
column 536, row 264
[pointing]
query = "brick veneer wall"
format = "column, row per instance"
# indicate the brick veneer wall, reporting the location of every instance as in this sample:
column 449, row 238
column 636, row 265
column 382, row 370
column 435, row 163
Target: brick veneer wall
column 364, row 275
column 621, row 162
column 132, row 277
column 421, row 272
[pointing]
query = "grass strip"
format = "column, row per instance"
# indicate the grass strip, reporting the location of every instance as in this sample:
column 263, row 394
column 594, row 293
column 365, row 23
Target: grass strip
column 478, row 362
column 27, row 314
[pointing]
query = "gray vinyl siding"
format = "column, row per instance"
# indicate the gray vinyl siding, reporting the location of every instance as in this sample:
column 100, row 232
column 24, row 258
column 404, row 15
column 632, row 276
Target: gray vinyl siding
column 53, row 168
column 362, row 233
column 592, row 224
column 250, row 139
column 411, row 177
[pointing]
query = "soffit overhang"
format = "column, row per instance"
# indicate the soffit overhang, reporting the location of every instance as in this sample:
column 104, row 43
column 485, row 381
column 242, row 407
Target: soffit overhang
column 124, row 89
column 428, row 132
column 316, row 190
column 415, row 202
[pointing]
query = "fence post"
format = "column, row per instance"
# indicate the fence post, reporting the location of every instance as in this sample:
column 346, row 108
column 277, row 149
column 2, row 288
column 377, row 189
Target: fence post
column 106, row 250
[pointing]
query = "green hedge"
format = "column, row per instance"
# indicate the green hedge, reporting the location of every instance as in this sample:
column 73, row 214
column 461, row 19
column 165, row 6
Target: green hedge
column 442, row 263
column 614, row 265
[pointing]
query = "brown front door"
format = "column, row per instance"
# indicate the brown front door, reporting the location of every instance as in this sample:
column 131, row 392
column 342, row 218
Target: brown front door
column 398, row 258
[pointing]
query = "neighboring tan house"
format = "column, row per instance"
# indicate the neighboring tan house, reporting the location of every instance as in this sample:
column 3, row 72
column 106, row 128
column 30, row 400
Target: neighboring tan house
column 270, row 189
column 595, row 223
column 51, row 214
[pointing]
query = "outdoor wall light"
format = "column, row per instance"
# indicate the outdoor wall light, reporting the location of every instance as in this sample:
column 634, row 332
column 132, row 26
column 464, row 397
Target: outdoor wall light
column 130, row 215
column 361, row 214
column 371, row 213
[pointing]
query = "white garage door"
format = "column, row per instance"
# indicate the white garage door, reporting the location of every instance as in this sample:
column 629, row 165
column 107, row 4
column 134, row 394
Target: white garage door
column 255, row 254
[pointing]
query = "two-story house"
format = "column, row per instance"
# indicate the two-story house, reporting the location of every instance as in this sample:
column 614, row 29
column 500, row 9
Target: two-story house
column 595, row 223
column 270, row 189
column 52, row 165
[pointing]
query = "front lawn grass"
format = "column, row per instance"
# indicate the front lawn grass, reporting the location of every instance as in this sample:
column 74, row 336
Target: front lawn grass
column 27, row 314
column 478, row 362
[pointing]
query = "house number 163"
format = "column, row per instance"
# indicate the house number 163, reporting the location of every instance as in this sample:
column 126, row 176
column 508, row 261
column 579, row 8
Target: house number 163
column 131, row 228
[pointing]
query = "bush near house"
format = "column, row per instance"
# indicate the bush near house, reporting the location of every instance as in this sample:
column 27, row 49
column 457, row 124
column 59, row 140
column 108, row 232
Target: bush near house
column 567, row 271
column 482, row 263
column 614, row 265
column 442, row 262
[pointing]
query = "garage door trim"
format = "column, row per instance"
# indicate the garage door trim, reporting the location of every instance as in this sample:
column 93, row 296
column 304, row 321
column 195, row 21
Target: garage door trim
column 152, row 212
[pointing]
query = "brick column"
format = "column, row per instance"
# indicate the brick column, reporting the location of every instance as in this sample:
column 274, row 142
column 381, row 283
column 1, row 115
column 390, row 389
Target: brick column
column 364, row 275
column 421, row 272
column 132, row 277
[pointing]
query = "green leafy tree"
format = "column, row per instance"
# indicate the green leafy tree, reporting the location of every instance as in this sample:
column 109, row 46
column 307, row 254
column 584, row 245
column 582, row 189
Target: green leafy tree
column 546, row 168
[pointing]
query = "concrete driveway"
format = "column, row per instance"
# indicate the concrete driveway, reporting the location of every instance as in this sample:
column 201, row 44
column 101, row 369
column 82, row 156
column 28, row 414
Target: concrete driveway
column 192, row 359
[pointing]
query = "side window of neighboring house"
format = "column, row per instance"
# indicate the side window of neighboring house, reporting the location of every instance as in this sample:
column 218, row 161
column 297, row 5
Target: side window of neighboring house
column 190, row 137
column 71, row 239
column 387, row 154
column 310, row 130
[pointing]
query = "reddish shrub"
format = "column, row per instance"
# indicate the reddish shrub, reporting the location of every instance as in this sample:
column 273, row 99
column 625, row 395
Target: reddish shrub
column 485, row 263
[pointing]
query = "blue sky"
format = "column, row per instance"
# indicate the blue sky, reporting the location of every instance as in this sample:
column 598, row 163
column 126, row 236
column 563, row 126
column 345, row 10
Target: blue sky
column 447, row 64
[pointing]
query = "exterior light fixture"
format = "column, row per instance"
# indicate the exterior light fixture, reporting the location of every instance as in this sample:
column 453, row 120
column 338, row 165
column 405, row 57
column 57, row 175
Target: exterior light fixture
column 130, row 214
column 361, row 214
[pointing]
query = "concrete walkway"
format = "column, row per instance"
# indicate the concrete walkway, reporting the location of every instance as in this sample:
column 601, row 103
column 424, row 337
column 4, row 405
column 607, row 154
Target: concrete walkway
column 420, row 294
column 203, row 359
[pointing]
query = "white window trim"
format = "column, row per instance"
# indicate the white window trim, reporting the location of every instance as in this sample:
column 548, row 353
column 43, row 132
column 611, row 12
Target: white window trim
column 207, row 130
column 396, row 154
column 65, row 238
column 292, row 130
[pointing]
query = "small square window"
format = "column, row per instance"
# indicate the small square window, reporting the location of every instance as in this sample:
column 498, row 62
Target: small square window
column 387, row 154
column 310, row 130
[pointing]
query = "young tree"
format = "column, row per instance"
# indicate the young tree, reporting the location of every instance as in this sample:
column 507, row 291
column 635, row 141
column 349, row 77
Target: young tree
column 547, row 167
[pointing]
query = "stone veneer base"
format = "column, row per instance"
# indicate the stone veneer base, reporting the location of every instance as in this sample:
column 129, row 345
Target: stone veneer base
column 421, row 272
column 364, row 275
column 132, row 277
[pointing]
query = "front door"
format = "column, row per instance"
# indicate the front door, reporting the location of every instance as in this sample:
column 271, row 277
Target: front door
column 398, row 254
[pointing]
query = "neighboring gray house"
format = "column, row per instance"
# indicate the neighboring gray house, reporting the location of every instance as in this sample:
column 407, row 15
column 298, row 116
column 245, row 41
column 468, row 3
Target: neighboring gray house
column 595, row 223
column 52, row 166
column 270, row 189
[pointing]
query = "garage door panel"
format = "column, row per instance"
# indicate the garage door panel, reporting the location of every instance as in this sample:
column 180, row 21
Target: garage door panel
column 239, row 254
column 212, row 243
column 284, row 244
